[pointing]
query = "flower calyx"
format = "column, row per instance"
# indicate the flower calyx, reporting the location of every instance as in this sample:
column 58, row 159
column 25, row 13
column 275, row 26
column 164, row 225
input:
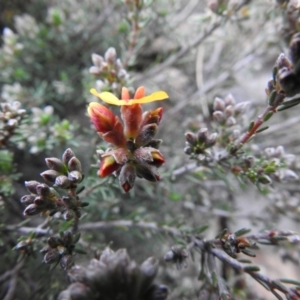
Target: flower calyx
column 135, row 150
column 60, row 250
column 63, row 174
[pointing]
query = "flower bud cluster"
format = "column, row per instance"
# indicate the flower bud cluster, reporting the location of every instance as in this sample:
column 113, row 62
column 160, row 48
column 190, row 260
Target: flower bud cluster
column 110, row 71
column 268, row 165
column 60, row 250
column 40, row 132
column 115, row 276
column 135, row 152
column 286, row 77
column 25, row 246
column 233, row 244
column 10, row 117
column 41, row 199
column 177, row 255
column 286, row 74
column 65, row 174
column 199, row 142
column 227, row 110
column 285, row 163
column 257, row 171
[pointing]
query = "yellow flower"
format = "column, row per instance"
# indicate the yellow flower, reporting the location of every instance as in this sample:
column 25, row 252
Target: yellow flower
column 112, row 99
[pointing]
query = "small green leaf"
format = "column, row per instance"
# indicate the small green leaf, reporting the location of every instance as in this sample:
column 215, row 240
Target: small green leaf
column 251, row 268
column 176, row 197
column 290, row 281
column 265, row 242
column 272, row 98
column 279, row 238
column 222, row 233
column 214, row 278
column 76, row 237
column 251, row 125
column 199, row 230
column 245, row 261
column 242, row 231
column 56, row 17
column 288, row 104
column 80, row 189
column 123, row 27
column 277, row 295
column 268, row 116
column 262, row 129
column 263, row 284
column 53, row 266
column 280, row 286
column 80, row 250
column 274, row 73
column 248, row 252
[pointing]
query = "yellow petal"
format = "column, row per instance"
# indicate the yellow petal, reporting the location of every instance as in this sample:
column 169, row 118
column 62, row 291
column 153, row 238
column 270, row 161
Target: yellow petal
column 156, row 96
column 107, row 97
column 112, row 99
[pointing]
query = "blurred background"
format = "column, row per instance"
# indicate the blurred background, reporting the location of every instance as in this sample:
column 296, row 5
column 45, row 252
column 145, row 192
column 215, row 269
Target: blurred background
column 186, row 48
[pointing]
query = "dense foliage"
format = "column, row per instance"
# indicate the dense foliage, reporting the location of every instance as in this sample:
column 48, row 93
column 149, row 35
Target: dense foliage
column 149, row 149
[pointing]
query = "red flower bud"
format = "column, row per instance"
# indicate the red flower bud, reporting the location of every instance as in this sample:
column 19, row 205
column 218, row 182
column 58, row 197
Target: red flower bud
column 108, row 165
column 150, row 156
column 127, row 177
column 157, row 157
column 132, row 117
column 146, row 134
column 132, row 114
column 153, row 116
column 145, row 171
column 107, row 124
column 103, row 119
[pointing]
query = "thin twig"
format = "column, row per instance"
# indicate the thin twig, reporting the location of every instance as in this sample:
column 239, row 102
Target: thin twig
column 13, row 280
column 135, row 29
column 187, row 9
column 197, row 41
column 211, row 262
column 176, row 56
column 233, row 263
column 184, row 169
column 209, row 85
column 89, row 190
column 25, row 230
column 131, row 224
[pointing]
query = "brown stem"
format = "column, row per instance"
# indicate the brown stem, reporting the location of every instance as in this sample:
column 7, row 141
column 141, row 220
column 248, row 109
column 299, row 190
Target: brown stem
column 291, row 293
column 257, row 123
column 75, row 225
column 134, row 35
